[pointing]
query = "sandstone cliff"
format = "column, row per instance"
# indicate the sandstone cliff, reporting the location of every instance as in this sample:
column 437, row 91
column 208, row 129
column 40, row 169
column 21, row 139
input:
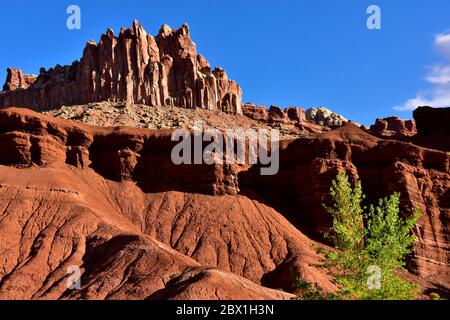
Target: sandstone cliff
column 104, row 197
column 133, row 67
column 421, row 175
column 110, row 201
column 291, row 118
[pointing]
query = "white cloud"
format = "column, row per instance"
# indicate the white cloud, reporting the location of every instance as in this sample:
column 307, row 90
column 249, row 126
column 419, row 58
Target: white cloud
column 442, row 42
column 439, row 98
column 439, row 76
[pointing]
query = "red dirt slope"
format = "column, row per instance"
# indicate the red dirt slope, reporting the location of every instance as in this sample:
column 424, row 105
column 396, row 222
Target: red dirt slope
column 130, row 242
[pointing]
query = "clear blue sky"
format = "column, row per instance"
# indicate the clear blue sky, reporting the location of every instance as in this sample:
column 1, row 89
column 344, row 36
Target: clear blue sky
column 300, row 52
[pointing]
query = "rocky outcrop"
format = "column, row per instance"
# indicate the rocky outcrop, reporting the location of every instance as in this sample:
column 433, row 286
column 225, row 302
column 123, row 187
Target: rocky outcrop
column 296, row 115
column 290, row 119
column 15, row 79
column 393, row 127
column 325, row 117
column 62, row 217
column 421, row 175
column 276, row 115
column 111, row 200
column 429, row 128
column 258, row 113
column 133, row 67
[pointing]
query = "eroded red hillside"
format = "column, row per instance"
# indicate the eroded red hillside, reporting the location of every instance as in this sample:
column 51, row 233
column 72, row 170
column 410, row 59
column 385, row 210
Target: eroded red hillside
column 71, row 195
column 111, row 201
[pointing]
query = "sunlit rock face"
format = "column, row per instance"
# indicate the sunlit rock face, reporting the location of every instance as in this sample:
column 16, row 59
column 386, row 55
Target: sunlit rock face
column 133, row 67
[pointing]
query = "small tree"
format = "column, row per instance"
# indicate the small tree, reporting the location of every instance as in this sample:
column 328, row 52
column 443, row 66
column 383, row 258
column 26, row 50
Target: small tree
column 381, row 245
column 348, row 228
column 389, row 238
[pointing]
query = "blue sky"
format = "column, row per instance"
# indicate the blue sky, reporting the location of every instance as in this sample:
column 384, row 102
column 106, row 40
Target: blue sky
column 289, row 53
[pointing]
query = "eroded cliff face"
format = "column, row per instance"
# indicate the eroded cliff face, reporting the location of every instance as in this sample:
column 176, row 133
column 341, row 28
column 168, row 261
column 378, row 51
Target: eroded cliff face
column 15, row 79
column 421, row 175
column 111, row 202
column 120, row 192
column 122, row 154
column 111, row 199
column 133, row 67
column 292, row 117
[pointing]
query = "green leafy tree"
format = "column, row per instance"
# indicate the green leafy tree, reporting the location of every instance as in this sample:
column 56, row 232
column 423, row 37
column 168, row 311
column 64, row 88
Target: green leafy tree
column 377, row 241
column 389, row 238
column 348, row 228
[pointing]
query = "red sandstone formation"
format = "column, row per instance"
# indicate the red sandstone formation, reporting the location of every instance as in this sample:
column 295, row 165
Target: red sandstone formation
column 430, row 128
column 112, row 202
column 422, row 176
column 294, row 118
column 276, row 115
column 62, row 216
column 258, row 113
column 296, row 115
column 134, row 68
column 15, row 79
column 393, row 127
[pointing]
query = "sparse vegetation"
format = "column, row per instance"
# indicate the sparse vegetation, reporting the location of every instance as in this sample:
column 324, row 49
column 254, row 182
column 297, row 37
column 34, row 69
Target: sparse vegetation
column 434, row 296
column 310, row 291
column 372, row 245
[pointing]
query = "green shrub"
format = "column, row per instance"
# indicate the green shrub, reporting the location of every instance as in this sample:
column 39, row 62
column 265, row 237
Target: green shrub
column 372, row 245
column 434, row 296
column 310, row 291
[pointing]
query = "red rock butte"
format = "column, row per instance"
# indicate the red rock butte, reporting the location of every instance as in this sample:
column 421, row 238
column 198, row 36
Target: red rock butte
column 134, row 67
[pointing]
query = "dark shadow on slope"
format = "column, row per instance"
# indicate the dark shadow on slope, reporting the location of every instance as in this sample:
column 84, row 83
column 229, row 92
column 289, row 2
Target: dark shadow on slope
column 441, row 290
